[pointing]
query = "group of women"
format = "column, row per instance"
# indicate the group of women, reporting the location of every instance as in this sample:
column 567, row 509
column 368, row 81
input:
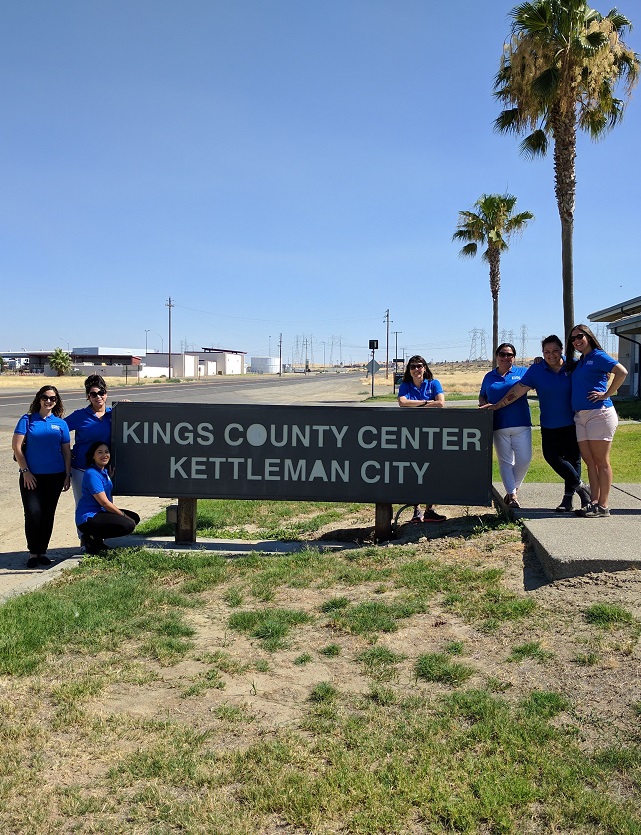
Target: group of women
column 48, row 466
column 578, row 420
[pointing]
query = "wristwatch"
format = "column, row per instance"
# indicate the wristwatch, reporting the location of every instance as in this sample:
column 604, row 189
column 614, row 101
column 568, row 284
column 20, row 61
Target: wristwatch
column 23, row 469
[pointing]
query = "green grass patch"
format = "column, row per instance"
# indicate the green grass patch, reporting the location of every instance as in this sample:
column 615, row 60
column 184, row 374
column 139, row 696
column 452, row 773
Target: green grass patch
column 103, row 606
column 373, row 616
column 530, row 649
column 245, row 519
column 608, row 615
column 270, row 626
column 438, row 666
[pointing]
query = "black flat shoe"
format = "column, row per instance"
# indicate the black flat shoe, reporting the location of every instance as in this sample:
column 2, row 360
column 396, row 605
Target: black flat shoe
column 43, row 560
column 32, row 562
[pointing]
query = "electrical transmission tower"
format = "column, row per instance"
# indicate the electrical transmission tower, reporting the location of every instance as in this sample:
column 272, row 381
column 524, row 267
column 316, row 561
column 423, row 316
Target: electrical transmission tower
column 523, row 343
column 473, row 356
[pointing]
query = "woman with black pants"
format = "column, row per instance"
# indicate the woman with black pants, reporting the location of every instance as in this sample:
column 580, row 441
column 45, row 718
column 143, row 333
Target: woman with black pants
column 42, row 451
column 97, row 517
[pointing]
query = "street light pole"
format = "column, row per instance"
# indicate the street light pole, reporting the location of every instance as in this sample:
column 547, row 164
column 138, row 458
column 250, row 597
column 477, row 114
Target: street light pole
column 162, row 343
column 146, row 332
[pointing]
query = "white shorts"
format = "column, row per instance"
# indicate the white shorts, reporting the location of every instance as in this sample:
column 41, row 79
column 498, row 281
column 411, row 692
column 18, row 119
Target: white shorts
column 596, row 424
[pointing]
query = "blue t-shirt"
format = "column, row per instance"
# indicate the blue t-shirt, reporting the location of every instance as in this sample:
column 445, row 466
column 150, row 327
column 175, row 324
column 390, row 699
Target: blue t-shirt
column 45, row 437
column 591, row 374
column 494, row 386
column 94, row 481
column 427, row 391
column 555, row 394
column 88, row 429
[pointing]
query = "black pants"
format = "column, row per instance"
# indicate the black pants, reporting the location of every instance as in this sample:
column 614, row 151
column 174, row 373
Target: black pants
column 40, row 509
column 561, row 451
column 107, row 525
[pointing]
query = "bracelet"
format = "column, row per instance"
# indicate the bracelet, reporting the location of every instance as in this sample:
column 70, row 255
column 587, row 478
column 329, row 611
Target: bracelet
column 23, row 469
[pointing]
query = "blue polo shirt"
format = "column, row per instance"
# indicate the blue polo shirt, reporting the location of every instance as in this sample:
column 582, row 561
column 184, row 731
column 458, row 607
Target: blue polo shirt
column 427, row 391
column 494, row 386
column 555, row 394
column 93, row 481
column 88, row 429
column 591, row 374
column 45, row 437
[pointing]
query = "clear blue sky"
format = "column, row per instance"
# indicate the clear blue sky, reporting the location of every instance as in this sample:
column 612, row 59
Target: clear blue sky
column 282, row 166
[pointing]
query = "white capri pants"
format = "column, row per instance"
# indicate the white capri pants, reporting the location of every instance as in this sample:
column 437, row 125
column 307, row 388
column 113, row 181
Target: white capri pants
column 514, row 452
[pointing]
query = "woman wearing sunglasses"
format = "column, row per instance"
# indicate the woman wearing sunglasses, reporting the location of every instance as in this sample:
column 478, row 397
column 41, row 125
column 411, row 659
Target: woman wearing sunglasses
column 90, row 424
column 512, row 425
column 41, row 449
column 595, row 375
column 419, row 389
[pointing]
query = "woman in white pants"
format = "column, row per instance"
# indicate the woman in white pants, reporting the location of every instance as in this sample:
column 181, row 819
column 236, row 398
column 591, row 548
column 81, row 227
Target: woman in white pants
column 512, row 424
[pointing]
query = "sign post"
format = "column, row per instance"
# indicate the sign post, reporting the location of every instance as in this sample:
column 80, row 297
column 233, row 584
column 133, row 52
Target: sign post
column 373, row 345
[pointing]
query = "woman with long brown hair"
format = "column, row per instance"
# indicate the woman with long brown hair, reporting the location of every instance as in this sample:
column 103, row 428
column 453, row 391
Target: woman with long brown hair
column 595, row 376
column 41, row 449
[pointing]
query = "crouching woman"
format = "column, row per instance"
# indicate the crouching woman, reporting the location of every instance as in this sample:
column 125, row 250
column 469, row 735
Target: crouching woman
column 97, row 517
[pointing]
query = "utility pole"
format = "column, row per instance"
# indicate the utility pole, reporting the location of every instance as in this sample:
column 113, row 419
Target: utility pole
column 169, row 304
column 396, row 333
column 387, row 319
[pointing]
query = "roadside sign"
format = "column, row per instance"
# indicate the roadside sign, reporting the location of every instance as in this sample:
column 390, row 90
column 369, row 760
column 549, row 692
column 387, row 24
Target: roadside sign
column 305, row 453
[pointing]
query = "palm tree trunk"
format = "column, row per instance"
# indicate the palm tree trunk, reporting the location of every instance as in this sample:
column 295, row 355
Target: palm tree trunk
column 494, row 258
column 565, row 190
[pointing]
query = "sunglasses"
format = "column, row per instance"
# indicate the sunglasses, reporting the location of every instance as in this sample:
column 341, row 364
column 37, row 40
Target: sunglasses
column 504, row 355
column 50, row 399
column 576, row 336
column 415, row 367
column 99, row 393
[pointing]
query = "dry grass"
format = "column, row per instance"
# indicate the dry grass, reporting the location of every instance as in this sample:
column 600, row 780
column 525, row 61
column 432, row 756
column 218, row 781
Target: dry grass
column 32, row 382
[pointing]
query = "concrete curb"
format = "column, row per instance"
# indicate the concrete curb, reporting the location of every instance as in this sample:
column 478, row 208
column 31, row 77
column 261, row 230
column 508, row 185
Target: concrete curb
column 567, row 545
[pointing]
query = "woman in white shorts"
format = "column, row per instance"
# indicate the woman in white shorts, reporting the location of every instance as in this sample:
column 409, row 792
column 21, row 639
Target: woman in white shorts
column 595, row 375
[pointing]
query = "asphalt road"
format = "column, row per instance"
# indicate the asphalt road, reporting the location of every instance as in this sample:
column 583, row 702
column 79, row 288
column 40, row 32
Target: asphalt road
column 298, row 389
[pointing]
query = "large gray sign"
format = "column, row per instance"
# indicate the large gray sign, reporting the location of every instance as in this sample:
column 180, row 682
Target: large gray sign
column 320, row 453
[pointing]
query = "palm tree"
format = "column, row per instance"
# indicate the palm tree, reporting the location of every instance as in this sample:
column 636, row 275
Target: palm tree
column 492, row 223
column 60, row 361
column 560, row 73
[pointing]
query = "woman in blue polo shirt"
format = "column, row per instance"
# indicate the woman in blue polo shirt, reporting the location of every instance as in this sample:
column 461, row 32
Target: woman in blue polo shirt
column 90, row 424
column 96, row 515
column 419, row 389
column 512, row 425
column 558, row 434
column 41, row 448
column 595, row 375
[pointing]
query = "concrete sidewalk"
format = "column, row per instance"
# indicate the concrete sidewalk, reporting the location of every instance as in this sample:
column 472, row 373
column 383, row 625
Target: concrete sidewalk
column 570, row 546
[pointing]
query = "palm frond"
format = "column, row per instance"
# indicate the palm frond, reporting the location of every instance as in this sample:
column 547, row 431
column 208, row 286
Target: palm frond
column 508, row 121
column 618, row 21
column 546, row 85
column 534, row 145
column 468, row 251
